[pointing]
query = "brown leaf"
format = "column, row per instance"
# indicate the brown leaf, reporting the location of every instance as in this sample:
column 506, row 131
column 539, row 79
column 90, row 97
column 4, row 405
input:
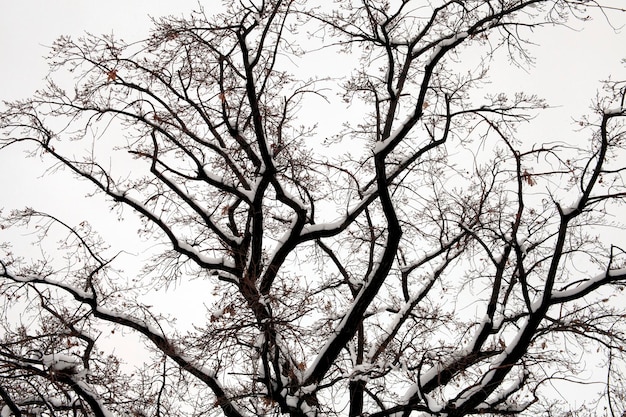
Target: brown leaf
column 112, row 75
column 528, row 178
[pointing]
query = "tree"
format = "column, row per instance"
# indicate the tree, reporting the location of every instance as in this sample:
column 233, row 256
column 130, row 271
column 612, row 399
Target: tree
column 437, row 267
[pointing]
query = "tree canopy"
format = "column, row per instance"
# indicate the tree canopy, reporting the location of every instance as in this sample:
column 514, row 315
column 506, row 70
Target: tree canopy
column 424, row 258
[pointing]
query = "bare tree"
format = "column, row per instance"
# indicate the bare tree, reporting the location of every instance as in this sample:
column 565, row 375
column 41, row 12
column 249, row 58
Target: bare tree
column 434, row 266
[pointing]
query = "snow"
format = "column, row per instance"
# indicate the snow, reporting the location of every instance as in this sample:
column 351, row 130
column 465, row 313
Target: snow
column 217, row 179
column 522, row 243
column 88, row 389
column 570, row 208
column 453, row 39
column 330, row 340
column 398, row 317
column 320, row 227
column 217, row 314
column 433, row 372
column 293, row 198
column 615, row 111
column 497, row 322
column 536, row 305
column 360, row 372
column 211, row 373
column 381, row 146
column 308, row 410
column 308, row 389
column 123, row 194
column 56, row 402
column 292, row 401
column 446, row 43
column 432, row 405
column 485, row 381
column 283, row 239
column 617, row 273
column 208, row 372
column 114, row 314
column 496, row 364
column 249, row 194
column 41, row 279
column 60, row 361
column 203, row 258
column 573, row 292
column 513, row 387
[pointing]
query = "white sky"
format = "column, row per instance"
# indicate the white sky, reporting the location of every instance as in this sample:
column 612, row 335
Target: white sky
column 28, row 26
column 569, row 65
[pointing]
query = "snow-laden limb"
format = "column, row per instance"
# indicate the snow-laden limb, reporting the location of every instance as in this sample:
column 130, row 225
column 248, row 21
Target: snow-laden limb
column 290, row 238
column 61, row 368
column 77, row 293
column 499, row 368
column 250, row 194
column 347, row 326
column 615, row 111
column 501, row 363
column 202, row 211
column 222, row 183
column 204, row 374
column 499, row 401
column 289, row 234
column 201, row 257
column 326, row 228
column 504, row 361
column 567, row 210
column 407, row 308
column 446, row 43
column 587, row 286
column 60, row 361
column 288, row 198
column 443, row 371
column 333, row 228
column 401, row 129
column 84, row 390
column 179, row 245
column 416, row 390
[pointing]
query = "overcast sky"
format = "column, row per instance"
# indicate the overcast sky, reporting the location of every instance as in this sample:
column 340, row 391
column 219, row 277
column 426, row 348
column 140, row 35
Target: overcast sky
column 569, row 65
column 27, row 27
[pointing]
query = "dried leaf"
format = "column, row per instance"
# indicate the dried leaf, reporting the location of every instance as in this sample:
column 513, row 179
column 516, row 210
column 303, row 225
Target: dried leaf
column 112, row 75
column 526, row 176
